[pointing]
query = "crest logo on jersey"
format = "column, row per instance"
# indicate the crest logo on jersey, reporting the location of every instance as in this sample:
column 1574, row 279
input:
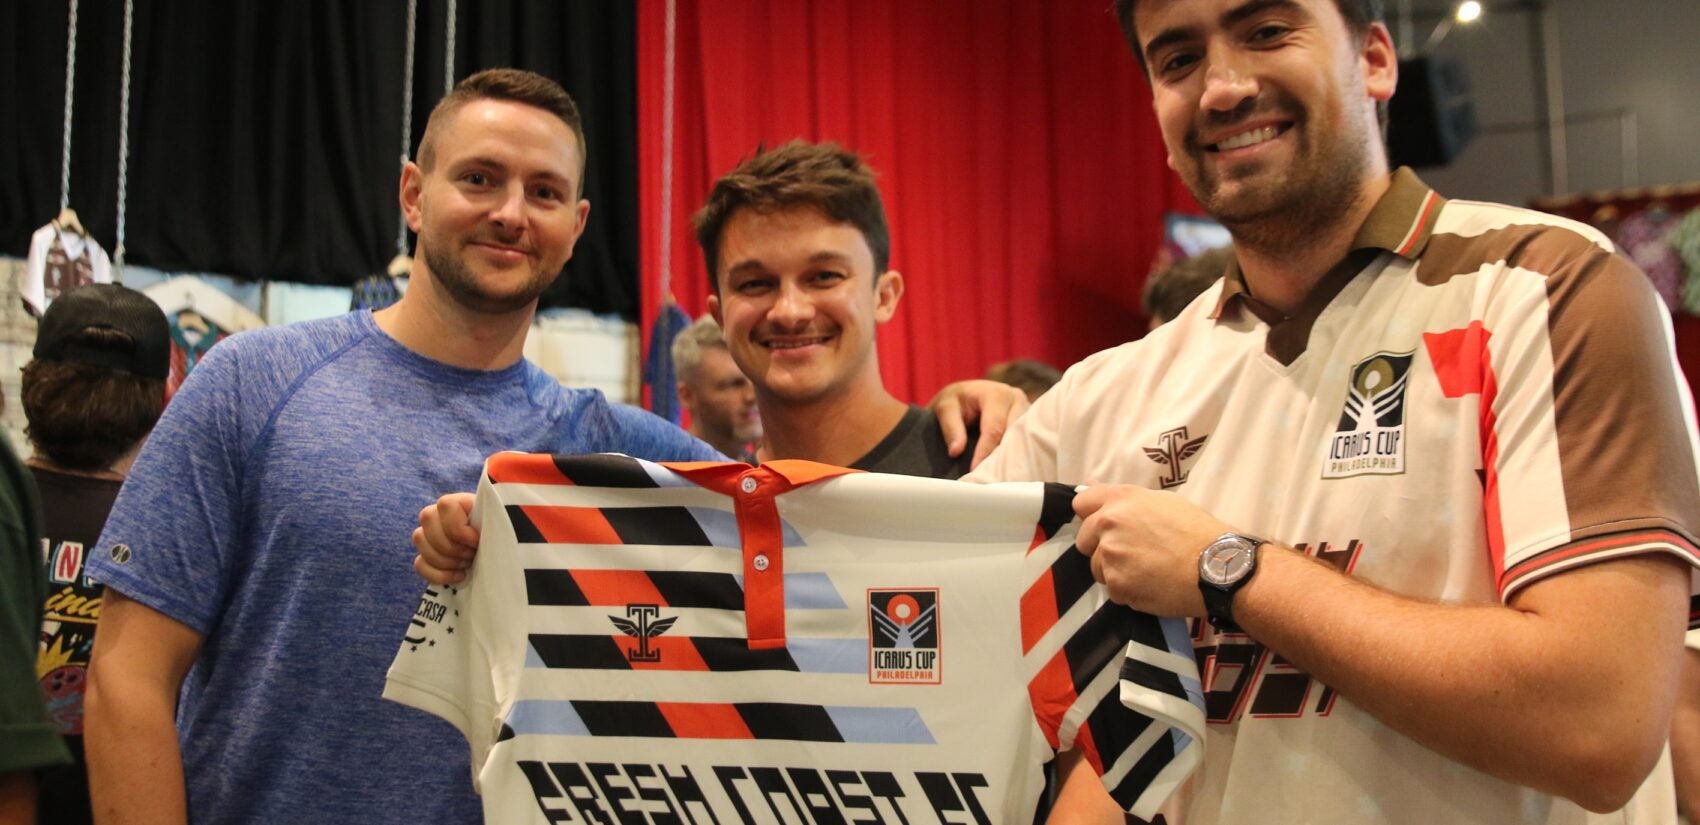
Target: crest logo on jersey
column 643, row 622
column 1174, row 448
column 1370, row 439
column 903, row 637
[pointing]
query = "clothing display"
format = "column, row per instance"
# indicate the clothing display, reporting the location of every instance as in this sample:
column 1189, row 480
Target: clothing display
column 658, row 373
column 191, row 337
column 745, row 637
column 270, row 509
column 1428, row 421
column 375, row 292
column 74, row 507
column 1643, row 237
column 60, row 260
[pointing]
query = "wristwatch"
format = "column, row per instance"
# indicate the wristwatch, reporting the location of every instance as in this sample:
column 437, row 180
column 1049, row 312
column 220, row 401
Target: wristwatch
column 1225, row 566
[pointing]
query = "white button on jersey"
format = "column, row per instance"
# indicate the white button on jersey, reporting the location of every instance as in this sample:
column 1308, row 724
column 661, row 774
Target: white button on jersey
column 760, row 561
column 749, row 485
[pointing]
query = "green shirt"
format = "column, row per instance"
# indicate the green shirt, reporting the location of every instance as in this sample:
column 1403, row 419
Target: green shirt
column 27, row 739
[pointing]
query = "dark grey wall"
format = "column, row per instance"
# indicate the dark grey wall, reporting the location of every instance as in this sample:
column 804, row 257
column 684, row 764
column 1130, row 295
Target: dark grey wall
column 1638, row 55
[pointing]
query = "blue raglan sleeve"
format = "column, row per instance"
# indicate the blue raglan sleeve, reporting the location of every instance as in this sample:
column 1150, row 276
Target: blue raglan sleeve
column 645, row 435
column 171, row 540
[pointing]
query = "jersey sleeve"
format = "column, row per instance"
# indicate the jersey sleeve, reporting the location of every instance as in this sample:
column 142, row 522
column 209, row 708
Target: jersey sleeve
column 1119, row 686
column 172, row 539
column 1589, row 447
column 445, row 665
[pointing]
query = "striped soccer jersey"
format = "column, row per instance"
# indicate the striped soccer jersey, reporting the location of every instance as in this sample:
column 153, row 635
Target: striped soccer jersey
column 789, row 643
column 1478, row 397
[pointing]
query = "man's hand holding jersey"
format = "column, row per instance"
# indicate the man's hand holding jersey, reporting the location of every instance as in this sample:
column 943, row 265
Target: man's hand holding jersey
column 1144, row 546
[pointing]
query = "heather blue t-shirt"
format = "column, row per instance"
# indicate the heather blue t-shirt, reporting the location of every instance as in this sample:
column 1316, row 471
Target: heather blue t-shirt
column 270, row 511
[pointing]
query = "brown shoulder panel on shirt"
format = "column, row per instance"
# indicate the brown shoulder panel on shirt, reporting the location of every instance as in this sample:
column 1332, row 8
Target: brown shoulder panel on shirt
column 1622, row 435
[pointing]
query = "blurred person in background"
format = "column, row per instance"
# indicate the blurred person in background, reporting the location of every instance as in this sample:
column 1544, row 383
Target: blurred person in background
column 91, row 395
column 720, row 399
column 1168, row 291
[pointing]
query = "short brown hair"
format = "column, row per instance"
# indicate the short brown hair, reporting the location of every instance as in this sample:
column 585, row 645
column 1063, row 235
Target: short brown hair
column 85, row 416
column 1359, row 14
column 1168, row 292
column 517, row 85
column 1029, row 375
column 825, row 176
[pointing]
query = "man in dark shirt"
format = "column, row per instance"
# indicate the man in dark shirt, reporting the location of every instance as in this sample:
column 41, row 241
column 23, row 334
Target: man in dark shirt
column 798, row 251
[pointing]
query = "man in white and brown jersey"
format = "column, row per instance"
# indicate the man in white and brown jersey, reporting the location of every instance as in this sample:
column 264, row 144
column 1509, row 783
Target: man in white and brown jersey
column 1425, row 465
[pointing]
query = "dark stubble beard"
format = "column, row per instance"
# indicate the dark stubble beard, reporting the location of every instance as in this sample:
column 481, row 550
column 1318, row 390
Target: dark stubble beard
column 1315, row 193
column 456, row 278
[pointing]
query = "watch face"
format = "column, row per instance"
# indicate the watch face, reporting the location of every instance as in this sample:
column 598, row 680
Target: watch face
column 1226, row 561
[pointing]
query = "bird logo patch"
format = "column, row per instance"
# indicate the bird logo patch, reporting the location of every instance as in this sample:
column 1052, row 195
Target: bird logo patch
column 643, row 622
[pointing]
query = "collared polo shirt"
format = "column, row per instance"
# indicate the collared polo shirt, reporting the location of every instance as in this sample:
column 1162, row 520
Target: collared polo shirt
column 1477, row 397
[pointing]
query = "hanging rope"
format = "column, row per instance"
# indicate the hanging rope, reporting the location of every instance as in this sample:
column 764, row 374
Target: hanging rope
column 70, row 86
column 449, row 53
column 667, row 157
column 406, row 117
column 123, row 137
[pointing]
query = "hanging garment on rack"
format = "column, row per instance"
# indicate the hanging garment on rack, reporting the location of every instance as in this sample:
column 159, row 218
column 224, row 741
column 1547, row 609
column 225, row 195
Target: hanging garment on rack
column 191, row 337
column 1643, row 237
column 189, row 292
column 201, row 315
column 1685, row 239
column 658, row 370
column 60, row 260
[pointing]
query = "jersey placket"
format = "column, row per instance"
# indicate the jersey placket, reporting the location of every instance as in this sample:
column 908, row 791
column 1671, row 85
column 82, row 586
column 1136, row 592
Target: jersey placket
column 763, row 541
column 755, row 492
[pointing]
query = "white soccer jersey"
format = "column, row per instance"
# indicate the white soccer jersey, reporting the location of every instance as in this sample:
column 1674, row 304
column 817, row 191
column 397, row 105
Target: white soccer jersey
column 1478, row 397
column 789, row 643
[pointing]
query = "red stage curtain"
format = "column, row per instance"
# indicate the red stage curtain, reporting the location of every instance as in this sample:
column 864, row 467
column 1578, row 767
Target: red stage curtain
column 1022, row 170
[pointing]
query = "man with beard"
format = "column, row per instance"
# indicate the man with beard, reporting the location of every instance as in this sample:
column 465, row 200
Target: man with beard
column 719, row 397
column 255, row 557
column 1425, row 466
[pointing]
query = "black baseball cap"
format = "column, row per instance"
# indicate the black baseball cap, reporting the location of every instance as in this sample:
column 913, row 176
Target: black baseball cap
column 107, row 306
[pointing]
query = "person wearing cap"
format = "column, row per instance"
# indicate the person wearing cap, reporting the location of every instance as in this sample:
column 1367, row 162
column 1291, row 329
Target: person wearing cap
column 91, row 395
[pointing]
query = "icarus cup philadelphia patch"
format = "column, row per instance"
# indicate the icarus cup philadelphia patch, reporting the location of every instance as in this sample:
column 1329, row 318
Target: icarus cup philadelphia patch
column 903, row 637
column 1370, row 439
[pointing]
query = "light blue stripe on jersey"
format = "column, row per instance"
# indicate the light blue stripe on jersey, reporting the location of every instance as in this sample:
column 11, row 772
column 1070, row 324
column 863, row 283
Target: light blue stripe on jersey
column 881, row 726
column 1175, row 635
column 546, row 716
column 829, row 655
column 721, row 528
column 662, row 476
column 808, row 591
